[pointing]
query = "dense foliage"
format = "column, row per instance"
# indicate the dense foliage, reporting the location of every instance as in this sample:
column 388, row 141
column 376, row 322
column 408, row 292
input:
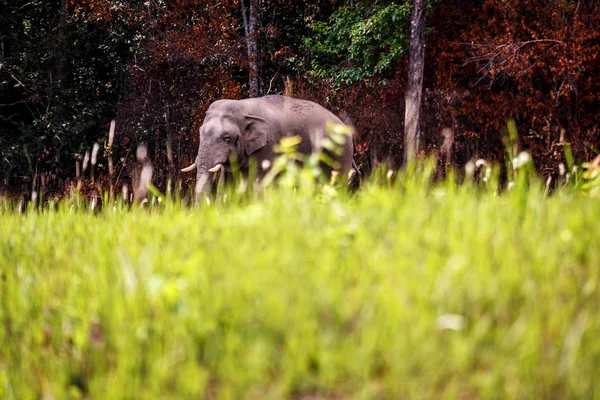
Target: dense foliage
column 359, row 41
column 532, row 60
column 68, row 67
column 59, row 82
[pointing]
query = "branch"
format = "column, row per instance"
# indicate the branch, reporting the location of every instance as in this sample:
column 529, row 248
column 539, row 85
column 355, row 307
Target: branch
column 17, row 79
column 13, row 104
column 498, row 56
column 271, row 82
column 245, row 17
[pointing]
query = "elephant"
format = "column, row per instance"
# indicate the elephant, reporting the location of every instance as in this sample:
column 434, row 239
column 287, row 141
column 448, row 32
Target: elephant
column 250, row 128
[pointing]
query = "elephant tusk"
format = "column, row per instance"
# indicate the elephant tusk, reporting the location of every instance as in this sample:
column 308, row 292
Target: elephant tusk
column 351, row 174
column 216, row 168
column 190, row 168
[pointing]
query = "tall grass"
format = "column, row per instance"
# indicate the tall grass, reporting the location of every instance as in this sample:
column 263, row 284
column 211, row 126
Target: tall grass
column 402, row 290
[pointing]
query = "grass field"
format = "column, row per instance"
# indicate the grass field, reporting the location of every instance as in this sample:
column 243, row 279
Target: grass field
column 402, row 291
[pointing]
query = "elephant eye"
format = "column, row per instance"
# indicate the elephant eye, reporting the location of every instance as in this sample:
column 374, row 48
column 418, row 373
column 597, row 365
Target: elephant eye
column 227, row 139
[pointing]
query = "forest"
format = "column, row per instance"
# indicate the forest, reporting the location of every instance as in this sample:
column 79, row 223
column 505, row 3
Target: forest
column 70, row 67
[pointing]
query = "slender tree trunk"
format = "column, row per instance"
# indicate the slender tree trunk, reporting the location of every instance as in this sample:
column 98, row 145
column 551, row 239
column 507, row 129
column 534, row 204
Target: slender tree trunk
column 169, row 142
column 62, row 67
column 414, row 88
column 250, row 23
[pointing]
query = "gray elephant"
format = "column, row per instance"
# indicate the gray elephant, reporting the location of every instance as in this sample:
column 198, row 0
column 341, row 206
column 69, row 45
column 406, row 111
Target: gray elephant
column 250, row 128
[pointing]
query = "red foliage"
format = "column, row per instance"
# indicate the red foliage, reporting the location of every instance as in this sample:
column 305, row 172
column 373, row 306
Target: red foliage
column 536, row 61
column 486, row 61
column 187, row 55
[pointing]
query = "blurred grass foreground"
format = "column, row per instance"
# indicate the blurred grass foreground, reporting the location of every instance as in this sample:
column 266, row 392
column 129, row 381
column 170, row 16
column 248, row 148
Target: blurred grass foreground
column 402, row 291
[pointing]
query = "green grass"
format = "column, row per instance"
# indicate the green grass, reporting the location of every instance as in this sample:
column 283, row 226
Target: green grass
column 401, row 291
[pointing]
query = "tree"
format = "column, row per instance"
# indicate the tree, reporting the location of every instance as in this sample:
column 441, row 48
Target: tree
column 416, row 63
column 59, row 80
column 185, row 55
column 68, row 67
column 250, row 17
column 359, row 41
column 535, row 61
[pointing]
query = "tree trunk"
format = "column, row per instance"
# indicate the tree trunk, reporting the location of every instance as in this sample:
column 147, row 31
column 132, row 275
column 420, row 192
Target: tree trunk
column 62, row 67
column 62, row 64
column 250, row 22
column 414, row 87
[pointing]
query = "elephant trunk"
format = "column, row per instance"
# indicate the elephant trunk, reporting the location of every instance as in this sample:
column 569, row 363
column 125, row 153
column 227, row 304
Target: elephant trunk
column 206, row 169
column 208, row 162
column 204, row 182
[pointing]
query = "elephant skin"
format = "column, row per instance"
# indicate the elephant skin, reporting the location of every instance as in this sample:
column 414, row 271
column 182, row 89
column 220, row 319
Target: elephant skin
column 250, row 128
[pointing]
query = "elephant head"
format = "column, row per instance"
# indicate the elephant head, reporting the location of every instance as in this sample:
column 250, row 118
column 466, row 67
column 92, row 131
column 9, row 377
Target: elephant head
column 225, row 134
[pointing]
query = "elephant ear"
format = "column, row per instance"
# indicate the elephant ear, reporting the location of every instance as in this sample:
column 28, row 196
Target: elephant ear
column 256, row 133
